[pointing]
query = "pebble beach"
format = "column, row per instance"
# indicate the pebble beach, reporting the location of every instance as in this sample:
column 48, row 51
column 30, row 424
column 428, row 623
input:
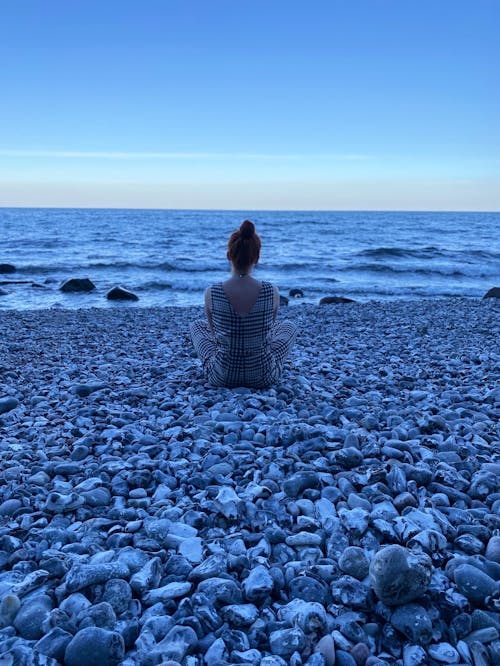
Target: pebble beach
column 348, row 516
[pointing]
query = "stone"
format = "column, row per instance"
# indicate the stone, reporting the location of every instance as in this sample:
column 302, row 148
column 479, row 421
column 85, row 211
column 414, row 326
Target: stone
column 7, row 268
column 474, row 584
column 296, row 293
column 54, row 643
column 414, row 622
column 258, row 585
column 119, row 293
column 329, row 300
column 354, row 562
column 8, row 404
column 397, row 576
column 74, row 285
column 284, row 642
column 444, row 653
column 31, row 616
column 94, row 646
column 493, row 549
column 494, row 292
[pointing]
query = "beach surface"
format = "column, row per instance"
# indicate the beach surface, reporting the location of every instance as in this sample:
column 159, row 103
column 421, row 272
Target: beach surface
column 348, row 515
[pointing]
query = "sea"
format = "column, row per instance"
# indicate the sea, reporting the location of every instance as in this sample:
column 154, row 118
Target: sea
column 168, row 257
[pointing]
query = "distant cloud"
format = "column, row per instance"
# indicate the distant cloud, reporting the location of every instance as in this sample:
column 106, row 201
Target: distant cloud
column 117, row 155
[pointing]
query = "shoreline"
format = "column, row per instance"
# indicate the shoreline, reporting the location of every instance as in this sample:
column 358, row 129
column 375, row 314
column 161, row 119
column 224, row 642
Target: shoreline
column 149, row 514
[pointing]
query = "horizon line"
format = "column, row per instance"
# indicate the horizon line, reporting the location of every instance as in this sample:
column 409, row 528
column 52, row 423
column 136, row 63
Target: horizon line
column 262, row 210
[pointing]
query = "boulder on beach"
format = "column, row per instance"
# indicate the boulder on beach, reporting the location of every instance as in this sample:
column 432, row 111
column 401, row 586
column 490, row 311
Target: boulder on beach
column 296, row 293
column 283, row 300
column 328, row 300
column 121, row 294
column 74, row 285
column 494, row 292
column 7, row 268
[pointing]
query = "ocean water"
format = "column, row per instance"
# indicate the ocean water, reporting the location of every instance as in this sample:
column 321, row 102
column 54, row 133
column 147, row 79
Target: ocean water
column 168, row 257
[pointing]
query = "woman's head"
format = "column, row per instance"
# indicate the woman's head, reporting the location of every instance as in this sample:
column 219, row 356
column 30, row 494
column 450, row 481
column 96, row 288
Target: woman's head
column 243, row 248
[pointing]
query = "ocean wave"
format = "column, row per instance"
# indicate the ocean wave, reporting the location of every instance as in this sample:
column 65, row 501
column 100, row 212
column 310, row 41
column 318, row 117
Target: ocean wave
column 410, row 270
column 155, row 286
column 382, row 252
column 116, row 265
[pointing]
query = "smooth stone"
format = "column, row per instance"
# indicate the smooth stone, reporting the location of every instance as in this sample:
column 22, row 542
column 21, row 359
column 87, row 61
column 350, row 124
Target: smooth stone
column 300, row 481
column 296, row 293
column 84, row 575
column 493, row 549
column 31, row 616
column 9, row 607
column 54, row 643
column 494, row 292
column 94, row 646
column 354, row 562
column 414, row 655
column 169, row 591
column 119, row 293
column 308, row 589
column 397, row 576
column 10, row 506
column 329, row 300
column 414, row 622
column 444, row 653
column 77, row 285
column 474, row 584
column 8, row 404
column 326, row 647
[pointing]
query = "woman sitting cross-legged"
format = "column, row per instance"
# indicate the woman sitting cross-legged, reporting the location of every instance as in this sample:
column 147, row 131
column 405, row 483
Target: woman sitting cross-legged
column 241, row 343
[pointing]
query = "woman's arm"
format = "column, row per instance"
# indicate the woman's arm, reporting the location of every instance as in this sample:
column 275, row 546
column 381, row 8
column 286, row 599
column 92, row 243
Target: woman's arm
column 208, row 307
column 276, row 301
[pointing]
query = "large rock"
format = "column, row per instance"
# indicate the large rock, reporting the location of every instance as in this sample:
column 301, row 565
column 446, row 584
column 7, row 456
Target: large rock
column 494, row 292
column 329, row 300
column 398, row 576
column 7, row 268
column 296, row 293
column 74, row 285
column 94, row 646
column 121, row 294
column 6, row 404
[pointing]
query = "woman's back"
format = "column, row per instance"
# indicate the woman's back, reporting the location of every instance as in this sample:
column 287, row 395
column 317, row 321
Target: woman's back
column 244, row 356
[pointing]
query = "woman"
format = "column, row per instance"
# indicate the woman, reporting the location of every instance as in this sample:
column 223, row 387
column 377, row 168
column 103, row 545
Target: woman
column 241, row 344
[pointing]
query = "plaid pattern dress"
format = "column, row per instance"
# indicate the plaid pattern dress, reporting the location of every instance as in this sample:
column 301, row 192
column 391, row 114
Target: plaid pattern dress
column 246, row 350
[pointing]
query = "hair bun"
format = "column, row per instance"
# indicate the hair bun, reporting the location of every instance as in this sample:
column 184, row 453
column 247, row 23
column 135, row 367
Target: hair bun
column 247, row 229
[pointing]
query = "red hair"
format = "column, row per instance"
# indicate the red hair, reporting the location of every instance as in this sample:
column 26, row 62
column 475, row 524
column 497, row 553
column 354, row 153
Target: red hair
column 243, row 248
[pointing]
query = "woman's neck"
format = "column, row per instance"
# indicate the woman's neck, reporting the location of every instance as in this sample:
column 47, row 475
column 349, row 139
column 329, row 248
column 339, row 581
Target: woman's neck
column 235, row 273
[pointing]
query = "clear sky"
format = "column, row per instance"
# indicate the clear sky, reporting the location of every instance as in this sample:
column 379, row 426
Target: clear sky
column 286, row 104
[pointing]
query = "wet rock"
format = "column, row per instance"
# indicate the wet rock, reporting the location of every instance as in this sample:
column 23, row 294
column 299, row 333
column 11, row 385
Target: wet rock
column 494, row 292
column 7, row 268
column 329, row 300
column 119, row 293
column 74, row 285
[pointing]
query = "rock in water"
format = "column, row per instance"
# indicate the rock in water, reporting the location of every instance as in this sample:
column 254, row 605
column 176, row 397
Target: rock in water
column 398, row 576
column 121, row 294
column 330, row 300
column 494, row 292
column 296, row 293
column 94, row 646
column 283, row 300
column 77, row 285
column 7, row 268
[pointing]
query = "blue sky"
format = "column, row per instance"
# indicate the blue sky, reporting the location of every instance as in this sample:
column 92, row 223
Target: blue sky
column 329, row 104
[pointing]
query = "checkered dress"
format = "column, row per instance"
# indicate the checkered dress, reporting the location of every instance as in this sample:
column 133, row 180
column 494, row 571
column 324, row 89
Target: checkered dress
column 247, row 350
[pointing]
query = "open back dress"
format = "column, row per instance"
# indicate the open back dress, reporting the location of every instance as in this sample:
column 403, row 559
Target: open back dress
column 244, row 349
